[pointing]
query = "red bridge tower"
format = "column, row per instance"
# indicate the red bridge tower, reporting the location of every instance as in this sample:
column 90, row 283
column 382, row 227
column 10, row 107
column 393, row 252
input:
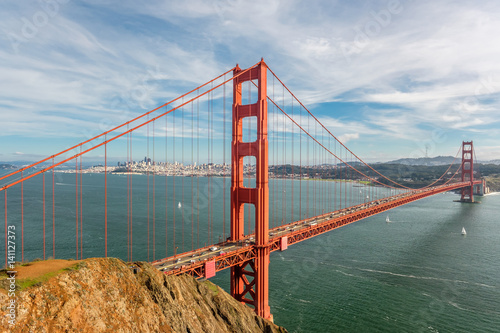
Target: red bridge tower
column 250, row 280
column 467, row 171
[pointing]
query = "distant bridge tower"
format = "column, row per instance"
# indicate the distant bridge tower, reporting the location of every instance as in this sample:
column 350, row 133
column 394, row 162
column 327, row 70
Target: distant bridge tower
column 250, row 280
column 467, row 171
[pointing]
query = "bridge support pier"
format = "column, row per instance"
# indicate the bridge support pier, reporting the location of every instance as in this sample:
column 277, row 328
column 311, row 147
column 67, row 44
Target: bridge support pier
column 250, row 280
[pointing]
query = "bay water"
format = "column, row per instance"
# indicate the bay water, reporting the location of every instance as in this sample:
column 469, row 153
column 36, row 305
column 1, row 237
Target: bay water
column 414, row 274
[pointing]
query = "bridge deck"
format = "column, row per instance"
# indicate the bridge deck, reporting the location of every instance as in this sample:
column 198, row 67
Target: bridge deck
column 229, row 253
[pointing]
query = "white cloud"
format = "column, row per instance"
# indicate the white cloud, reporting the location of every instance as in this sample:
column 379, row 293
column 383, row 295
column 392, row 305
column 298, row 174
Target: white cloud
column 431, row 64
column 345, row 138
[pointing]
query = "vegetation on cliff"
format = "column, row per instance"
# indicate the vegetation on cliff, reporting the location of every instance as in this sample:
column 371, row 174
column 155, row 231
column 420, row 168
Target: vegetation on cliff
column 106, row 295
column 493, row 182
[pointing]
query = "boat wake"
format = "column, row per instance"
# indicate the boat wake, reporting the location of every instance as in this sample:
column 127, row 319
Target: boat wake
column 425, row 277
column 405, row 275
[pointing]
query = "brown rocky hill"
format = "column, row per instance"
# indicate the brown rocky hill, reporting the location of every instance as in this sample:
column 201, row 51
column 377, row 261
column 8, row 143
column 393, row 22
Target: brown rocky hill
column 105, row 295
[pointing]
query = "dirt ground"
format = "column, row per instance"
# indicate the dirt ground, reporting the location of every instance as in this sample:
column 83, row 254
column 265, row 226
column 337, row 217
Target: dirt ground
column 42, row 267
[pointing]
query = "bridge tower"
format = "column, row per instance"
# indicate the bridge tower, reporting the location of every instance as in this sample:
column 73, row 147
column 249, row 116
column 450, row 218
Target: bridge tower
column 467, row 171
column 250, row 280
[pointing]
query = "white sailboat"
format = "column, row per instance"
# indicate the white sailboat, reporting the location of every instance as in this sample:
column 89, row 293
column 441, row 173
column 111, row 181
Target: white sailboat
column 463, row 231
column 179, row 205
column 387, row 219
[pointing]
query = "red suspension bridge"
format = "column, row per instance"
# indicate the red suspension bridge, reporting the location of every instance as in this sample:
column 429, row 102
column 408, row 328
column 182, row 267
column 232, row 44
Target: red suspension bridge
column 217, row 178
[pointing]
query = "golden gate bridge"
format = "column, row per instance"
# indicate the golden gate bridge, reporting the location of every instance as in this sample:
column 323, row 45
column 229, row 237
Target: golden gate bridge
column 291, row 179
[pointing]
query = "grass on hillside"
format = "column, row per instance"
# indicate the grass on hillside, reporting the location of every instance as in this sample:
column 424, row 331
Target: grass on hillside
column 212, row 287
column 22, row 284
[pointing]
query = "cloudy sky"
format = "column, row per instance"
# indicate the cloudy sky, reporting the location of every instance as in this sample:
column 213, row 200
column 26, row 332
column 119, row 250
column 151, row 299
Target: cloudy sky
column 391, row 78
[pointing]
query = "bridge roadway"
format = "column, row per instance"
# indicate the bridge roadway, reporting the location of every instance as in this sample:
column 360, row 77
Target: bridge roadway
column 230, row 253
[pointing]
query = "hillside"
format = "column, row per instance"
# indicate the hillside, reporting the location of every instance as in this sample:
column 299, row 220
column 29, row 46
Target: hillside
column 427, row 161
column 5, row 166
column 493, row 182
column 105, row 295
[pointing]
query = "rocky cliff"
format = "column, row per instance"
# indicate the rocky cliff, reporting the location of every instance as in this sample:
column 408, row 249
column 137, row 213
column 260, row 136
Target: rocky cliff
column 105, row 295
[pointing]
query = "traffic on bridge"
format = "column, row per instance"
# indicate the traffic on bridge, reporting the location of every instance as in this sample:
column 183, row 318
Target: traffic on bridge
column 223, row 255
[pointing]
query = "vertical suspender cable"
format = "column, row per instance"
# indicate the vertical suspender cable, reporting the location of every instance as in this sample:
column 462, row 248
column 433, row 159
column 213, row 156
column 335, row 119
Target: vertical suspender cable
column 274, row 157
column 249, row 123
column 326, row 183
column 322, row 183
column 43, row 200
column 81, row 206
column 308, row 168
column 335, row 176
column 223, row 161
column 315, row 202
column 182, row 180
column 320, row 175
column 53, row 214
column 350, row 178
column 128, row 194
column 192, row 176
column 300, row 165
column 197, row 173
column 212, row 160
column 147, row 181
column 173, row 180
column 166, row 185
column 22, row 218
column 209, row 194
column 76, row 204
column 329, row 176
column 6, row 232
column 293, row 173
column 346, row 175
column 131, row 202
column 106, row 198
column 283, row 184
column 154, row 193
column 341, row 180
column 212, row 157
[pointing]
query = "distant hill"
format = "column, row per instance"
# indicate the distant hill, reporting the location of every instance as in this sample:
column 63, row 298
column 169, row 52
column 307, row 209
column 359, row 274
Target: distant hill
column 433, row 161
column 497, row 162
column 4, row 166
column 427, row 161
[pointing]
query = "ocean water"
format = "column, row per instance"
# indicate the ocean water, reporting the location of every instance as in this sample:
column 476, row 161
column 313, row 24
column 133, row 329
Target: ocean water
column 415, row 274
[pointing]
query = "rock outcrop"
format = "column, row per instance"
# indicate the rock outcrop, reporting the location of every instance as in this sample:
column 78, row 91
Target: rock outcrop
column 106, row 295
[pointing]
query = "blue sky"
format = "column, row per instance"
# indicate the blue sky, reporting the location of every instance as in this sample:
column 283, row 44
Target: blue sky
column 390, row 78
